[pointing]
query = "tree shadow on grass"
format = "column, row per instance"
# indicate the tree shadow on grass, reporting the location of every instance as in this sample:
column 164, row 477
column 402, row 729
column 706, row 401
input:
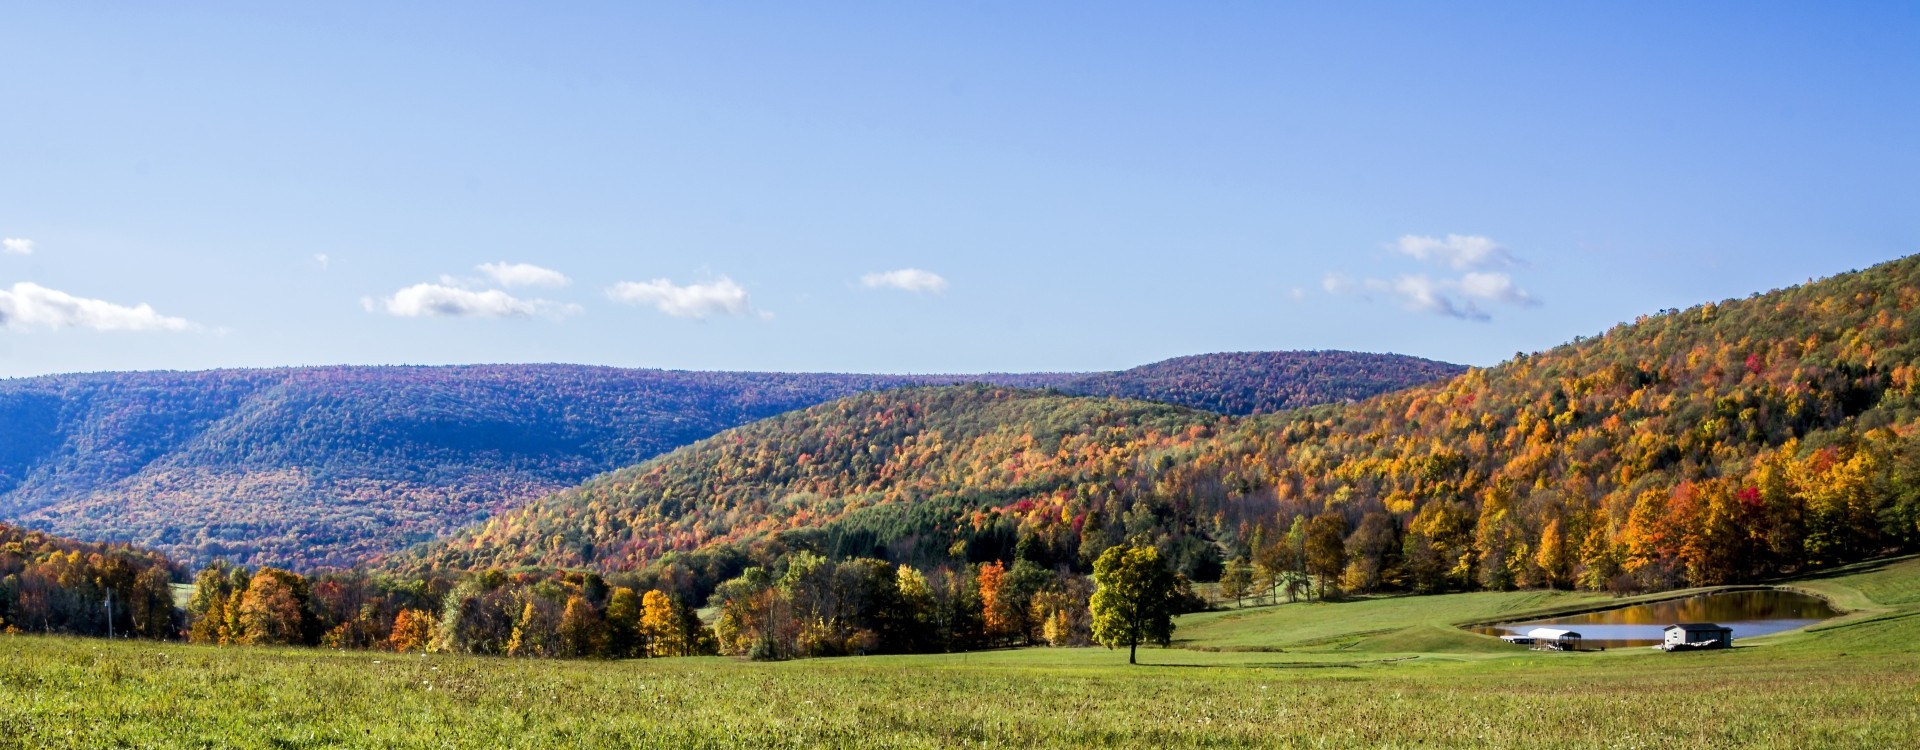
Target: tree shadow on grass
column 1849, row 570
column 1281, row 664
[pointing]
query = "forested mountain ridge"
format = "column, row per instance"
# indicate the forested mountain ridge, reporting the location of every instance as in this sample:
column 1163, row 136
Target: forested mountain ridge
column 1726, row 442
column 913, row 470
column 306, row 467
column 1242, row 383
column 326, row 465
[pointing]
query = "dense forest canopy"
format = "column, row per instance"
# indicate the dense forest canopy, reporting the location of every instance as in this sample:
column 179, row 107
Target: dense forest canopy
column 309, row 467
column 1722, row 443
column 917, row 471
column 53, row 585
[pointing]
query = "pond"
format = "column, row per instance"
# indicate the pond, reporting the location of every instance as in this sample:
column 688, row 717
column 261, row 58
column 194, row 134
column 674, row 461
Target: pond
column 1749, row 613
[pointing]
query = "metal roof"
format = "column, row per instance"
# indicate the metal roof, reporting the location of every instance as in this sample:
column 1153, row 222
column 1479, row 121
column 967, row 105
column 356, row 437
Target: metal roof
column 1698, row 626
column 1551, row 633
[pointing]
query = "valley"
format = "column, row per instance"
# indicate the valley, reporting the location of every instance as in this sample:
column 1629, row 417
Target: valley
column 1388, row 673
column 332, row 466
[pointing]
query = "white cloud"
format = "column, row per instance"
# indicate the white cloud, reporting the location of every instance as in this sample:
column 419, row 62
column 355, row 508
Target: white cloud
column 16, row 246
column 29, row 306
column 440, row 301
column 523, row 274
column 1461, row 251
column 909, row 279
column 1454, row 297
column 1424, row 294
column 324, row 261
column 691, row 301
column 1498, row 287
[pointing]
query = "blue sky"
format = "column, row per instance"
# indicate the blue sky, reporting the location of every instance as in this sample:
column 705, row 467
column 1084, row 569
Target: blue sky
column 921, row 187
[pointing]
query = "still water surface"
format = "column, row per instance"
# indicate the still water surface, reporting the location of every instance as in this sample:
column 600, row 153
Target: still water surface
column 1749, row 613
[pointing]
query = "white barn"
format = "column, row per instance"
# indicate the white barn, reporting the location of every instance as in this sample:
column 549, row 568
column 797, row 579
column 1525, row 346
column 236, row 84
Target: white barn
column 1688, row 636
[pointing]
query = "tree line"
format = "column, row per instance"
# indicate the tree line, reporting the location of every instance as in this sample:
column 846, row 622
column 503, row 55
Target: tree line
column 802, row 606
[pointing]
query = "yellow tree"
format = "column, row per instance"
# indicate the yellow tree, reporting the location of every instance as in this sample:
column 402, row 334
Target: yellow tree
column 660, row 626
column 1599, row 557
column 274, row 609
column 993, row 588
column 412, row 631
column 1552, row 556
column 212, row 623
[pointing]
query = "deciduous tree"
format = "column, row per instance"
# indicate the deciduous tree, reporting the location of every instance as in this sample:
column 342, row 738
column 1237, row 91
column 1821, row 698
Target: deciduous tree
column 1135, row 599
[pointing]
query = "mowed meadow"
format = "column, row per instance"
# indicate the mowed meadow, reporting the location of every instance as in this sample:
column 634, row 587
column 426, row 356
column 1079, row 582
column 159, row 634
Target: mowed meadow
column 1389, row 672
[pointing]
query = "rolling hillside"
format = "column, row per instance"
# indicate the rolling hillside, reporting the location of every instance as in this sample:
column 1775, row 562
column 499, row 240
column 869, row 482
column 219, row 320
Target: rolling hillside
column 914, row 471
column 325, row 466
column 1721, row 443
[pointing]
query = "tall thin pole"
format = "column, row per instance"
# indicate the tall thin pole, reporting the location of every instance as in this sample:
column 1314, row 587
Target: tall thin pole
column 109, row 613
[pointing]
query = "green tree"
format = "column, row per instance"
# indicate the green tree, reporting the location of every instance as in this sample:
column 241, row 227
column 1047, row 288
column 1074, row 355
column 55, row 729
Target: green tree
column 623, row 623
column 1236, row 581
column 582, row 632
column 1135, row 599
column 1327, row 548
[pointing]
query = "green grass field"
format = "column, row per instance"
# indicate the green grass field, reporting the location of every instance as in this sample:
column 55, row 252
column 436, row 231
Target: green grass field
column 1376, row 673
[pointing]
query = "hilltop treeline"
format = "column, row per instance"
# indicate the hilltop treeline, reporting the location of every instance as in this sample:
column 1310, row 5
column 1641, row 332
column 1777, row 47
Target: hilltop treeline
column 1242, row 383
column 1728, row 442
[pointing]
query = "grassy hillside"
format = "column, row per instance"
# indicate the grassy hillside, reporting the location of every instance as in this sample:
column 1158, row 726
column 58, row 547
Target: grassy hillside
column 1242, row 383
column 1854, row 682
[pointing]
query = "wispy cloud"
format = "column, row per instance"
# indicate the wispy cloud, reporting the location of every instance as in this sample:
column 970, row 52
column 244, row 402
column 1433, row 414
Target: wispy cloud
column 1497, row 287
column 443, row 301
column 1423, row 294
column 523, row 274
column 324, row 261
column 1461, row 297
column 1461, row 251
column 16, row 246
column 909, row 279
column 29, row 306
column 700, row 301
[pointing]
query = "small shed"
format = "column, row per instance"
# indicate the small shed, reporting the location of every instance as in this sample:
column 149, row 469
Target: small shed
column 1554, row 639
column 1689, row 636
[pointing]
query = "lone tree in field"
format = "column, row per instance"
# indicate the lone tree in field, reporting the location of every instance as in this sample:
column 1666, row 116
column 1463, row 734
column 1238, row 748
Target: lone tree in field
column 1135, row 600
